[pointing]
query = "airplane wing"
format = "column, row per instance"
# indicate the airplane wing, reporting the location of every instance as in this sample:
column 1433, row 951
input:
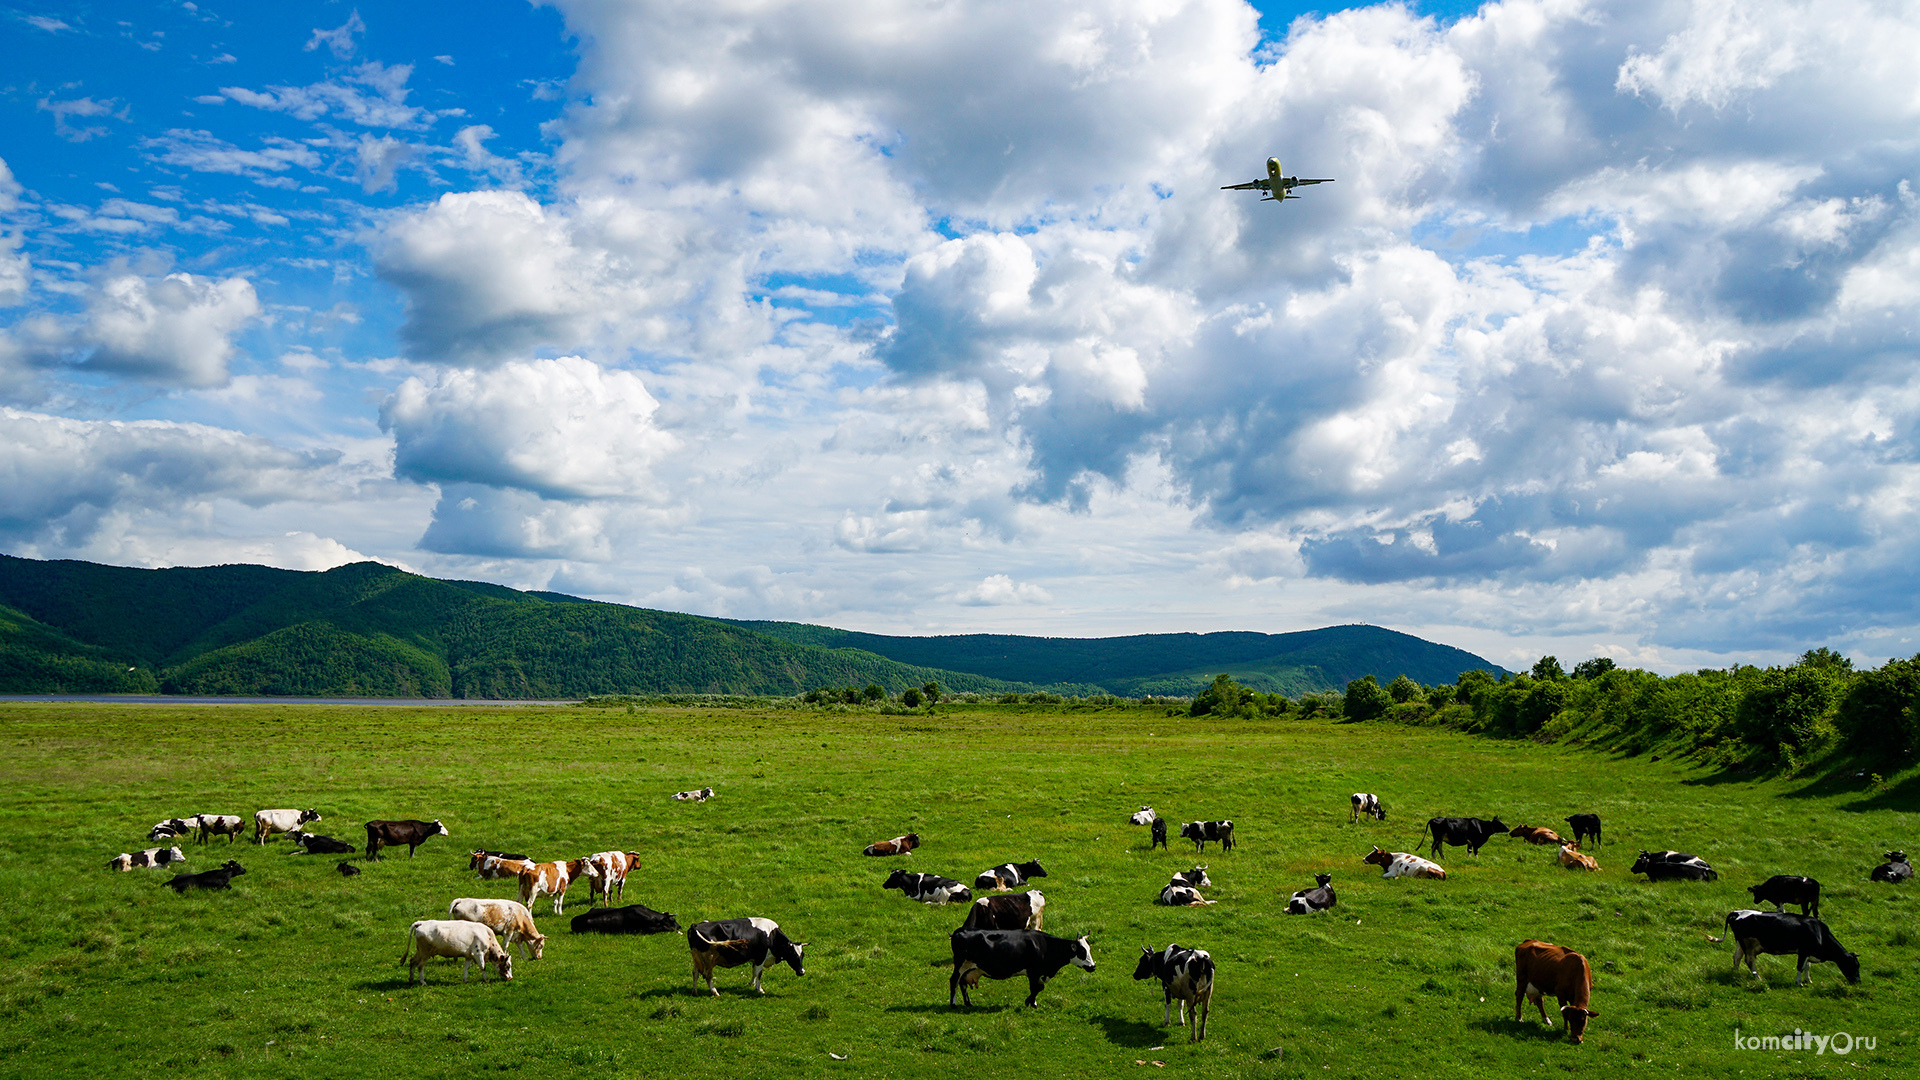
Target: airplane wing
column 1296, row 182
column 1251, row 185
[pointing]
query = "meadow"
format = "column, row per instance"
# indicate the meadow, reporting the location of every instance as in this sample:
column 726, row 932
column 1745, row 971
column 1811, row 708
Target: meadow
column 295, row 973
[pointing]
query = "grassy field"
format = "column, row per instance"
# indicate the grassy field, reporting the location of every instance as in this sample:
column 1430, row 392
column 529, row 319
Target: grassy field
column 295, row 973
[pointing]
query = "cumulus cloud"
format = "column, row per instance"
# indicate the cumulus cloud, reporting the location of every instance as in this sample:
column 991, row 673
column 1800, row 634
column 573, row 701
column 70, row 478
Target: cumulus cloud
column 996, row 589
column 176, row 329
column 472, row 519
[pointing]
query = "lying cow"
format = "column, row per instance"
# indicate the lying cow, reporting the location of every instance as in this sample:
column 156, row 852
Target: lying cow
column 494, row 865
column 899, row 845
column 306, row 843
column 1535, row 834
column 1186, row 976
column 269, row 822
column 550, row 879
column 1895, row 870
column 1145, row 816
column 173, row 828
column 732, row 942
column 155, row 856
column 219, row 878
column 696, row 795
column 1573, row 858
column 632, row 919
column 1401, row 864
column 1665, row 865
column 1002, row 954
column 1583, row 826
column 927, row 888
column 1541, row 968
column 1017, row 911
column 1159, row 834
column 1468, row 832
column 1368, row 804
column 1184, row 889
column 1783, row 889
column 1009, row 875
column 470, row 942
column 1315, row 900
column 346, row 868
column 1202, row 831
column 405, row 831
column 607, row 873
column 1780, row 932
column 510, row 922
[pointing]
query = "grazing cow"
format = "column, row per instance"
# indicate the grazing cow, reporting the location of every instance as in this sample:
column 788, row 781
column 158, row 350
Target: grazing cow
column 1541, row 968
column 899, row 845
column 1315, row 900
column 927, row 888
column 510, row 921
column 1401, row 864
column 1468, row 832
column 156, row 856
column 471, row 942
column 173, row 828
column 1662, row 865
column 1002, row 954
column 1535, row 834
column 1186, row 976
column 1756, row 932
column 1895, row 870
column 1018, row 911
column 732, row 942
column 1146, row 816
column 493, row 865
column 549, row 879
column 1009, row 875
column 1202, row 831
column 406, row 831
column 1585, row 825
column 696, row 795
column 220, row 878
column 268, row 822
column 306, row 843
column 632, row 919
column 230, row 826
column 1364, row 803
column 1159, row 834
column 607, row 872
column 1783, row 889
column 1573, row 858
column 346, row 868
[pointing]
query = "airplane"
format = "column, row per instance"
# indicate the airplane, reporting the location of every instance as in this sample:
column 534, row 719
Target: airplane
column 1274, row 182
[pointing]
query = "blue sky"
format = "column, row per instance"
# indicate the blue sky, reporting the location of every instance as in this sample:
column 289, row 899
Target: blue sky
column 926, row 318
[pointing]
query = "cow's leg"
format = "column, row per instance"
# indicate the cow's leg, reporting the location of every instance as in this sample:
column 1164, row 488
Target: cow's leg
column 1166, row 1007
column 1203, row 1005
column 1035, row 984
column 758, row 969
column 1806, row 970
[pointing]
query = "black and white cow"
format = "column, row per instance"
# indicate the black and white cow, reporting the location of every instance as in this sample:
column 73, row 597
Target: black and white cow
column 152, row 857
column 1015, row 911
column 1186, row 976
column 1779, row 932
column 1783, row 889
column 1673, row 865
column 927, row 888
column 1145, row 816
column 1183, row 890
column 632, row 919
column 1315, row 900
column 306, row 843
column 173, row 828
column 1368, row 804
column 732, row 942
column 268, row 822
column 1468, row 832
column 221, row 878
column 1009, row 875
column 405, row 831
column 1895, row 870
column 1159, row 834
column 1002, row 954
column 1202, row 831
column 1585, row 825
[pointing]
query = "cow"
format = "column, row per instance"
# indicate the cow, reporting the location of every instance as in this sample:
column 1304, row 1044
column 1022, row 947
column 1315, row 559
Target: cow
column 1364, row 803
column 696, row 795
column 899, row 845
column 268, row 822
column 1783, row 889
column 347, row 869
column 1541, row 968
column 471, row 942
column 551, row 879
column 157, row 856
column 173, row 828
column 1573, row 858
column 1195, row 878
column 405, row 831
column 1583, row 826
column 1894, row 871
column 1202, row 831
column 607, row 873
column 1182, row 891
column 1315, row 900
column 219, row 878
column 927, row 888
column 1468, row 832
column 1159, row 834
column 1535, row 834
column 1145, row 816
column 230, row 826
column 1186, row 976
column 493, row 865
column 1002, row 954
column 632, row 919
column 306, row 843
column 1662, row 865
column 732, row 942
column 1017, row 911
column 1009, row 875
column 1401, row 864
column 508, row 920
column 1756, row 932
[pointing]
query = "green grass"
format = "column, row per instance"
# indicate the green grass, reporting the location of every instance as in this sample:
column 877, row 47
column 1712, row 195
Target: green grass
column 295, row 973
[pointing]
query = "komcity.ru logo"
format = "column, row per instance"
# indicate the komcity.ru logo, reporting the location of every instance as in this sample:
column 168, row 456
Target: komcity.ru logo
column 1839, row 1042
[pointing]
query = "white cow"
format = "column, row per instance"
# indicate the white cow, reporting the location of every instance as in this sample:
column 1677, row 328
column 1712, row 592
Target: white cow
column 268, row 822
column 472, row 942
column 509, row 919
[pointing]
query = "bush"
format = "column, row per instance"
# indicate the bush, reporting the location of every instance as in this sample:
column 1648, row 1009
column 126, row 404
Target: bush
column 1366, row 699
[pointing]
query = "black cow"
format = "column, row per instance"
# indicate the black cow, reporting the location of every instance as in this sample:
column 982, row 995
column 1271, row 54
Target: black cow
column 632, row 919
column 1585, row 825
column 1002, row 954
column 1779, row 932
column 1314, row 900
column 1185, row 975
column 1017, row 911
column 407, row 831
column 1202, row 831
column 346, row 868
column 1009, row 875
column 1469, row 832
column 1783, row 889
column 732, row 942
column 221, row 878
column 307, row 843
column 1159, row 834
column 1678, row 865
column 1895, row 870
column 927, row 888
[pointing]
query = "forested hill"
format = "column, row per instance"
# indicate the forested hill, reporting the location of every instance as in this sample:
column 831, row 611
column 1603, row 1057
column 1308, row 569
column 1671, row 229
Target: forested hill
column 369, row 630
column 1180, row 664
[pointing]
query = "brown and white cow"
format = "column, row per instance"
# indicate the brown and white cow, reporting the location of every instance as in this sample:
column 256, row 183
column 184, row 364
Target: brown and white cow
column 899, row 845
column 1402, row 864
column 1572, row 858
column 268, row 822
column 508, row 919
column 494, row 865
column 1535, row 834
column 550, row 879
column 470, row 942
column 607, row 871
column 1539, row 969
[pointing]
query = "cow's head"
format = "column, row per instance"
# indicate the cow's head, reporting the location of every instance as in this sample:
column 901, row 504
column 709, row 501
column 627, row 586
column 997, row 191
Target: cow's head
column 537, row 944
column 1190, row 830
column 475, row 859
column 1496, row 823
column 1323, row 880
column 233, row 868
column 498, row 956
column 437, row 830
column 579, row 866
column 1576, row 1020
column 1896, row 856
column 789, row 952
column 1380, row 812
column 1033, row 869
column 896, row 880
column 1640, row 864
column 174, row 854
column 1198, row 877
column 1149, row 965
column 1082, row 954
column 1378, row 858
column 1849, row 964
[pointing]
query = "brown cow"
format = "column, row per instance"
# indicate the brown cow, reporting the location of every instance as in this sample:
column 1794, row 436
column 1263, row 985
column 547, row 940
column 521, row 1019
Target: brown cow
column 550, row 878
column 899, row 845
column 1572, row 858
column 1539, row 969
column 607, row 871
column 1536, row 834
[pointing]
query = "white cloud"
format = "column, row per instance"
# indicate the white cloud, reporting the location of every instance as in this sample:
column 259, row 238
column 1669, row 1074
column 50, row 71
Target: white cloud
column 340, row 39
column 997, row 589
column 175, row 329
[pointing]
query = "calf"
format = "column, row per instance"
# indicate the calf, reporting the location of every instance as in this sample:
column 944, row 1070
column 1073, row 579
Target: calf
column 927, row 888
column 1186, row 976
column 899, row 845
column 1539, row 969
column 220, row 878
column 306, row 843
column 1009, row 875
column 732, row 942
column 1364, row 803
column 607, row 872
column 173, row 828
column 696, row 795
column 1783, row 889
column 471, row 942
column 268, row 822
column 1664, row 865
column 346, row 868
column 156, row 856
column 1002, row 954
column 1146, row 816
column 1573, row 858
column 510, row 921
column 1159, row 834
column 405, row 831
column 1018, row 911
column 1468, row 832
column 632, row 919
column 1535, row 834
column 493, row 865
column 1401, row 864
column 1895, row 870
column 1315, row 900
column 1583, row 826
column 549, row 879
column 1756, row 932
column 1202, row 831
